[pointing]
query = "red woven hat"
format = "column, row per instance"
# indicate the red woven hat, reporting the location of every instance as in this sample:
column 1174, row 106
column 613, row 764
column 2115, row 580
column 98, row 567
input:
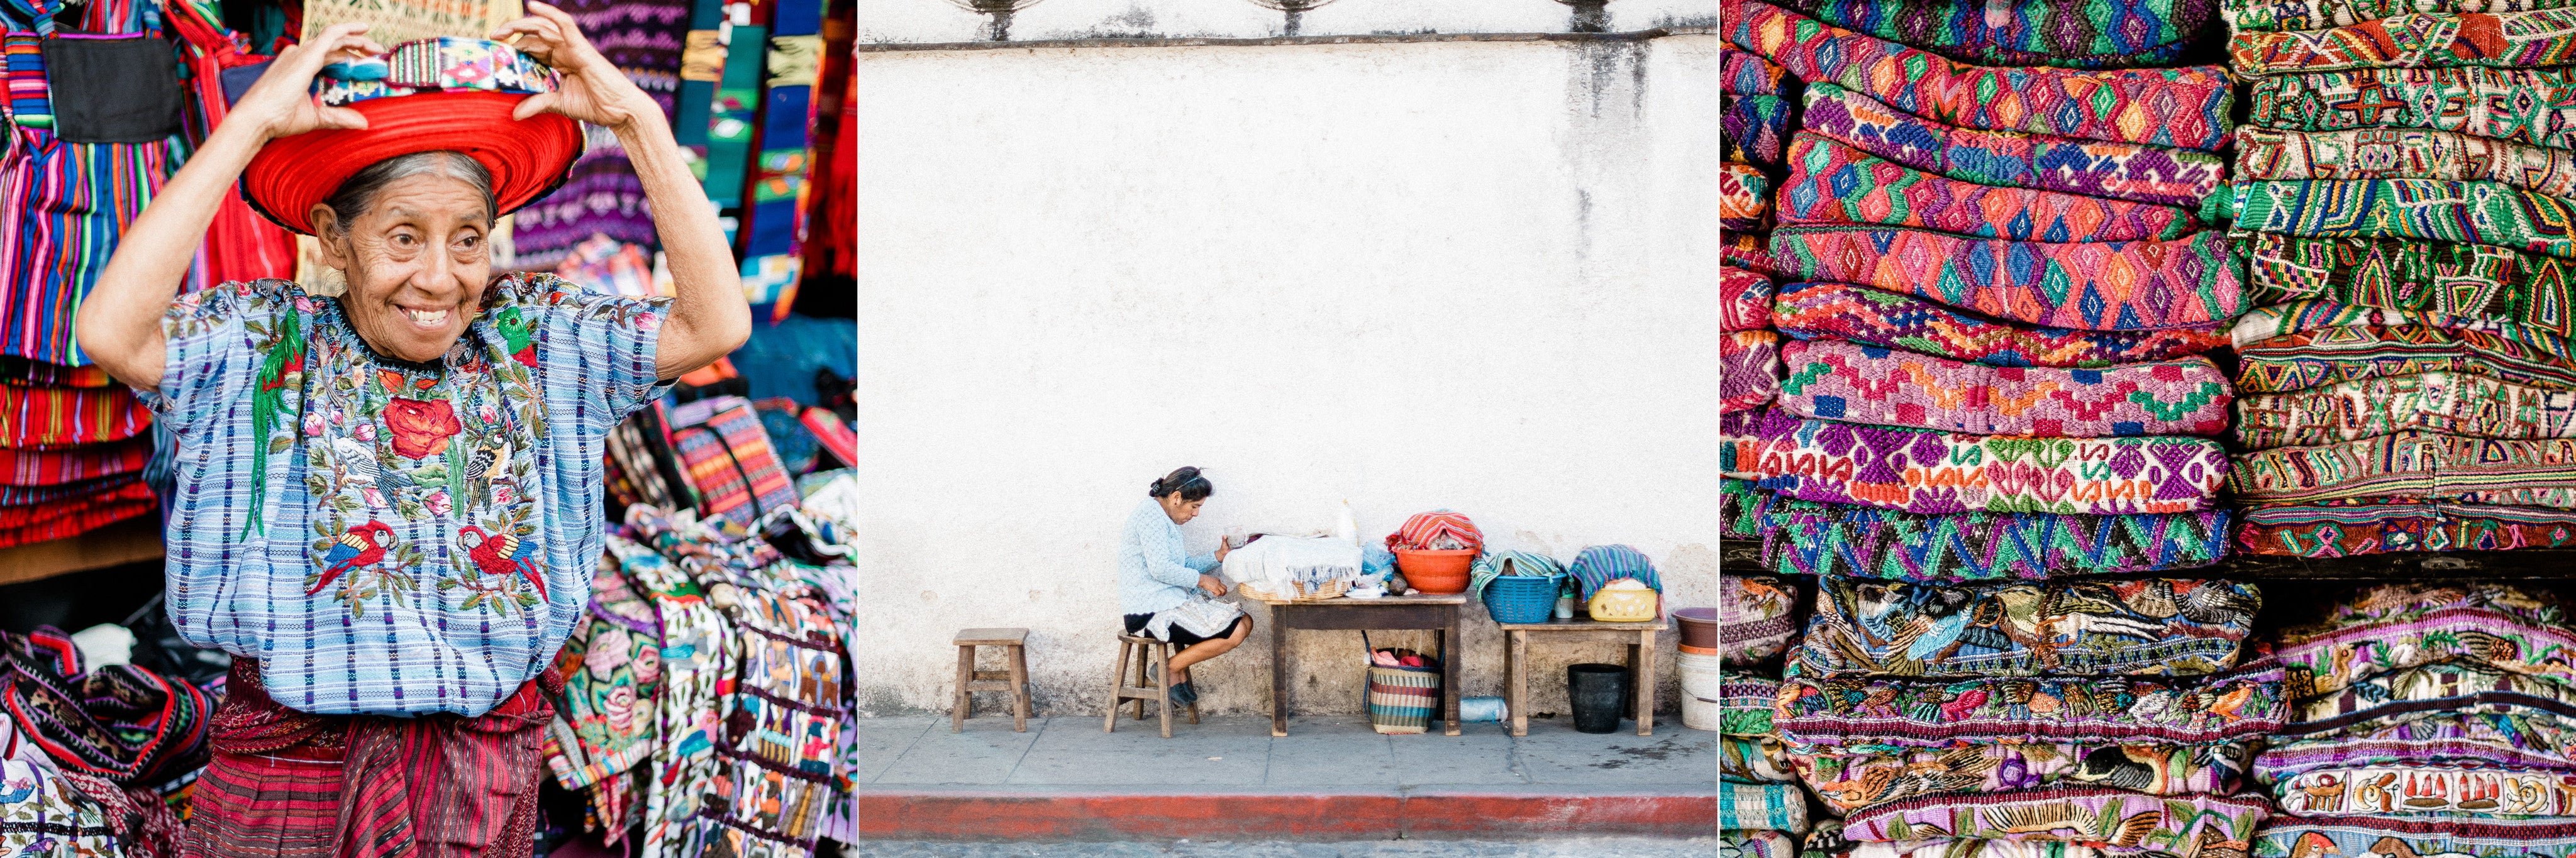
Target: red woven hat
column 434, row 94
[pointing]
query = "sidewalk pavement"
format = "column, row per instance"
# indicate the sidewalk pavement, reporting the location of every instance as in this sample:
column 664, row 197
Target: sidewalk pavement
column 1227, row 778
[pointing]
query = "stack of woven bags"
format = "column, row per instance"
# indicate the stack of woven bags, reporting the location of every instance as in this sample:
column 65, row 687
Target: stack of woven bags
column 2405, row 192
column 1757, row 100
column 1761, row 810
column 2426, row 721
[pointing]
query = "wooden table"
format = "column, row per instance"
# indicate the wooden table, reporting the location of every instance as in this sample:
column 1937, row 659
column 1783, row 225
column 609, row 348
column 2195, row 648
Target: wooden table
column 1641, row 665
column 1436, row 613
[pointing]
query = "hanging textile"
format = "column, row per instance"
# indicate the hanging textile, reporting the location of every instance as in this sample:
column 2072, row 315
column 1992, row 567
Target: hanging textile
column 603, row 196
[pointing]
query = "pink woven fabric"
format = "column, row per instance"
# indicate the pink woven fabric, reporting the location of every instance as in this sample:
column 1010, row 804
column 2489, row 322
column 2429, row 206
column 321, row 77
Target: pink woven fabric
column 1743, row 300
column 2100, row 286
column 1839, row 380
column 1831, row 182
column 1438, row 530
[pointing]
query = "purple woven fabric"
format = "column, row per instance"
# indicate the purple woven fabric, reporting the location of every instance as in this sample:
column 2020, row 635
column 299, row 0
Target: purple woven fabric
column 1748, row 369
column 1917, row 470
column 643, row 38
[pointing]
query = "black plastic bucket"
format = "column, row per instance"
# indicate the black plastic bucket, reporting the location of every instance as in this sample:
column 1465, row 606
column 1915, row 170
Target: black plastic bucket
column 1600, row 696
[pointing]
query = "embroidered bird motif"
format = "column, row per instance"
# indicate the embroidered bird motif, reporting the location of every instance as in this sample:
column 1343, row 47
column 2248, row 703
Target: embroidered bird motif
column 503, row 555
column 2314, row 845
column 12, row 792
column 355, row 549
column 2215, row 845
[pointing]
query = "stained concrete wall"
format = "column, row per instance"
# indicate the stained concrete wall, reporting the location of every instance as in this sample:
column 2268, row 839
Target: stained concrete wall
column 943, row 21
column 1466, row 274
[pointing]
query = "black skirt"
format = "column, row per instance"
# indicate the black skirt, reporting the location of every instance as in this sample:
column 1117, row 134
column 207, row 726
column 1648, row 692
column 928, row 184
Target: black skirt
column 1181, row 637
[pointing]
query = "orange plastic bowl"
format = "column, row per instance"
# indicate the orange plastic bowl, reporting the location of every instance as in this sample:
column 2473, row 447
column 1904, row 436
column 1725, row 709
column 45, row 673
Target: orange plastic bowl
column 1435, row 571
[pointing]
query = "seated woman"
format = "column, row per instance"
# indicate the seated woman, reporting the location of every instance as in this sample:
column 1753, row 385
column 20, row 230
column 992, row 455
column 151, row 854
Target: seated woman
column 1166, row 593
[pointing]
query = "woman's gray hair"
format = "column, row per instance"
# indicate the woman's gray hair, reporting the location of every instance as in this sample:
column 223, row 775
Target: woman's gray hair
column 358, row 194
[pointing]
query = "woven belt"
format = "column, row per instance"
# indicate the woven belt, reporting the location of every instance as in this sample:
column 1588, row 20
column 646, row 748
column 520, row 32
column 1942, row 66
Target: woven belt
column 435, row 65
column 1756, row 630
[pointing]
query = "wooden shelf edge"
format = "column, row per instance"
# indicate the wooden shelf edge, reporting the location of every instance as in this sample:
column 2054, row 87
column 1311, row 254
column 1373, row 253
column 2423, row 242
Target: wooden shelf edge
column 134, row 540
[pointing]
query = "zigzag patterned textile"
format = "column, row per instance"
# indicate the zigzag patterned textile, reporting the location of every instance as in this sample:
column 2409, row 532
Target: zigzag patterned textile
column 1740, row 73
column 2534, row 39
column 1748, row 367
column 2320, row 14
column 1840, row 540
column 1849, row 782
column 1811, row 311
column 1753, row 128
column 2078, row 34
column 2329, row 355
column 2263, row 323
column 2120, row 171
column 1840, row 380
column 2128, row 626
column 2185, row 107
column 1751, row 252
column 2448, row 403
column 2460, row 281
column 2365, row 834
column 1743, row 300
column 2412, row 466
column 1859, row 714
column 2104, row 286
column 1743, row 198
column 2348, row 531
column 2536, row 106
column 2403, row 153
column 2069, row 814
column 1920, row 470
column 1833, row 183
column 2427, row 209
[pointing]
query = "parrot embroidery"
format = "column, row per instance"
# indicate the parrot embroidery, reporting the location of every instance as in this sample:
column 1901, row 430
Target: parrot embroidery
column 521, row 342
column 283, row 368
column 359, row 548
column 503, row 555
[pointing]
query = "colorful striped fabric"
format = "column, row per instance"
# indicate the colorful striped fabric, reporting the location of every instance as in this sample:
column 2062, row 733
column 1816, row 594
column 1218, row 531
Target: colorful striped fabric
column 64, row 205
column 2414, row 466
column 2122, row 627
column 1882, row 318
column 2352, row 530
column 85, row 462
column 1840, row 380
column 2077, row 814
column 1919, row 470
column 2536, row 106
column 2119, row 171
column 1748, row 369
column 56, row 417
column 1751, row 252
column 1739, row 445
column 18, row 370
column 1597, row 565
column 1852, row 781
column 30, row 100
column 2185, row 107
column 119, row 722
column 2424, row 209
column 729, row 461
column 2329, row 355
column 1830, row 540
column 61, row 521
column 1740, row 73
column 2092, row 34
column 2279, row 320
column 1861, row 712
column 2448, row 403
column 2457, row 280
column 29, row 496
column 2532, row 39
column 603, row 195
column 2403, row 153
column 2511, row 740
column 1743, row 300
column 2364, row 834
column 1743, row 197
column 2319, row 14
column 1740, row 507
column 2109, row 286
column 1754, row 128
column 1761, row 807
column 1834, row 183
column 1437, row 530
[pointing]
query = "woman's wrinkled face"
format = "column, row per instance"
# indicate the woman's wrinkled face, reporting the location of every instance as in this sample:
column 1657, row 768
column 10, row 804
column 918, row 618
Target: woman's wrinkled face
column 1180, row 510
column 417, row 262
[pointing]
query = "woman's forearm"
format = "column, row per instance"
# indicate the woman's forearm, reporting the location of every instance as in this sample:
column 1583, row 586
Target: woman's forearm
column 709, row 315
column 119, row 325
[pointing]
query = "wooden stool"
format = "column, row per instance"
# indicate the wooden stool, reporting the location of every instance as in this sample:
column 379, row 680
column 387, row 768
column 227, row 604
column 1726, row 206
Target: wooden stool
column 1120, row 691
column 1015, row 680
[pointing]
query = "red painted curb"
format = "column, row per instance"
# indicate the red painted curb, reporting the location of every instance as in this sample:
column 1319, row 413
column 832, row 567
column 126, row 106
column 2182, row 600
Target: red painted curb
column 1316, row 816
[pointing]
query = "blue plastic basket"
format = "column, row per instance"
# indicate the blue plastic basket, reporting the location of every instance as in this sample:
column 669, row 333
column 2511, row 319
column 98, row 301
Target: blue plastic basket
column 1522, row 598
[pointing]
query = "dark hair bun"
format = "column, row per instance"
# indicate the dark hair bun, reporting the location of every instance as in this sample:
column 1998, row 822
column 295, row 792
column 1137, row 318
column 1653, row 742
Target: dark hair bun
column 1187, row 481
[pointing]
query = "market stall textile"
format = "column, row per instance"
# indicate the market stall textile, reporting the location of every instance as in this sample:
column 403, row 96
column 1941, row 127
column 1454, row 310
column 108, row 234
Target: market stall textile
column 2535, row 106
column 119, row 722
column 1761, row 807
column 2414, row 466
column 1902, row 712
column 1749, row 369
column 2120, row 171
column 2493, row 626
column 1817, row 311
column 1841, row 380
column 2087, row 815
column 1754, row 617
column 2527, row 741
column 1851, row 781
column 1743, row 198
column 1755, row 127
column 1740, row 73
column 1438, row 530
column 41, row 811
column 2277, row 320
column 1748, row 759
column 699, row 656
column 2434, row 791
column 2185, row 107
column 2104, row 286
column 2330, row 355
column 2090, row 34
column 2420, row 209
column 1744, row 703
column 1744, row 300
column 2455, row 280
column 2518, row 39
column 603, row 196
column 2403, row 153
column 1755, row 844
column 2128, row 626
column 2347, row 531
column 1917, row 470
column 1809, row 538
column 2319, row 14
column 2458, row 687
column 2307, row 837
column 1831, row 182
column 612, row 670
column 2448, row 403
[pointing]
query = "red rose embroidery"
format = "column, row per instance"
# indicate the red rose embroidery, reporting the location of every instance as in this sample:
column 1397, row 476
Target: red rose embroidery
column 421, row 428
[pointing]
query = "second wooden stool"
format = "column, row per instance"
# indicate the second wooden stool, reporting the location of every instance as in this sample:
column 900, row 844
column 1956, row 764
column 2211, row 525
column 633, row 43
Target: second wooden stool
column 1120, row 691
column 1015, row 680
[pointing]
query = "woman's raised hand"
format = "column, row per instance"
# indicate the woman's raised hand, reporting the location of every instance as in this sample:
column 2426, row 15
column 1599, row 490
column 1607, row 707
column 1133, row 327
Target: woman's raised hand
column 280, row 103
column 1212, row 584
column 592, row 89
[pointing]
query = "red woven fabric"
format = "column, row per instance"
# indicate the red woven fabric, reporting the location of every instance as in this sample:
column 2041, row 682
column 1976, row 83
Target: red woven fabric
column 240, row 245
column 1426, row 531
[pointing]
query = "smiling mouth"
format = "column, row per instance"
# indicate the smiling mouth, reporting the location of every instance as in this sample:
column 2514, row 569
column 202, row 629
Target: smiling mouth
column 431, row 319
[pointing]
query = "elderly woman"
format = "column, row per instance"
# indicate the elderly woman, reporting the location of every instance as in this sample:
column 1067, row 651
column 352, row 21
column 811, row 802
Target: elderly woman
column 387, row 504
column 1166, row 593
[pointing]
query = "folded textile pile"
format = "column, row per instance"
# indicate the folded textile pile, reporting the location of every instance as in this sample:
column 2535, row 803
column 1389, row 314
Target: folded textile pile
column 2053, row 716
column 2404, row 191
column 86, row 753
column 1996, row 286
column 1761, row 810
column 1758, row 100
column 2426, row 720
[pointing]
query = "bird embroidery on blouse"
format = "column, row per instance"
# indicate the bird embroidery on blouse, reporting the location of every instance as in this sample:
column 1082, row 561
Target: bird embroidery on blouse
column 503, row 555
column 355, row 549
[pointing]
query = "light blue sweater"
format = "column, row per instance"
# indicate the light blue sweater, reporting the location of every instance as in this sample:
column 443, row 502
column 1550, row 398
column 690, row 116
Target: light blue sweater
column 1155, row 571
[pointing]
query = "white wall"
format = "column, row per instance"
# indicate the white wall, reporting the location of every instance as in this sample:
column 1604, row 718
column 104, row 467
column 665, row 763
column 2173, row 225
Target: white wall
column 1475, row 275
column 942, row 21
